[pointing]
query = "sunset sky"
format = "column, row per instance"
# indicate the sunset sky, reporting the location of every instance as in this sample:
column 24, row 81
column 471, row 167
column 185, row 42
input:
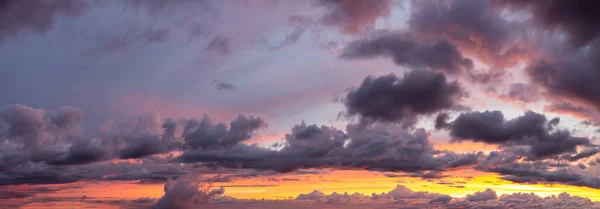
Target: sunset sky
column 224, row 103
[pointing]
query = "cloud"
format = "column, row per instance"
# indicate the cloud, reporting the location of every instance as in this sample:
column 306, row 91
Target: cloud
column 486, row 195
column 583, row 154
column 580, row 112
column 221, row 85
column 135, row 35
column 185, row 192
column 475, row 27
column 18, row 17
column 531, row 129
column 442, row 199
column 578, row 19
column 404, row 50
column 400, row 194
column 354, row 17
column 520, row 93
column 539, row 171
column 393, row 99
column 48, row 146
column 39, row 135
column 378, row 147
column 205, row 134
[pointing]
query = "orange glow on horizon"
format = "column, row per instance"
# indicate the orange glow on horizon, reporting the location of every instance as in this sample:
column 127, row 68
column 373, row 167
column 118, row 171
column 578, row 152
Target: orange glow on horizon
column 284, row 186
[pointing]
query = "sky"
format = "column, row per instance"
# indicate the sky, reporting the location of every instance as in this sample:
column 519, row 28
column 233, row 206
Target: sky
column 299, row 104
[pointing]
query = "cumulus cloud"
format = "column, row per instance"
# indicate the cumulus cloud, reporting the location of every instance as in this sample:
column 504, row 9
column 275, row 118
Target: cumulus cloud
column 185, row 192
column 393, row 99
column 40, row 135
column 37, row 144
column 486, row 195
column 206, row 134
column 382, row 147
column 400, row 194
column 531, row 129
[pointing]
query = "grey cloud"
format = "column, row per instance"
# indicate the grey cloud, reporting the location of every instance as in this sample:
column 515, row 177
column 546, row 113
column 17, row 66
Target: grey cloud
column 578, row 19
column 570, row 77
column 473, row 26
column 583, row 154
column 390, row 98
column 144, row 145
column 442, row 199
column 132, row 37
column 406, row 51
column 530, row 129
column 81, row 153
column 543, row 172
column 47, row 146
column 52, row 136
column 225, row 86
column 205, row 134
column 19, row 17
column 376, row 147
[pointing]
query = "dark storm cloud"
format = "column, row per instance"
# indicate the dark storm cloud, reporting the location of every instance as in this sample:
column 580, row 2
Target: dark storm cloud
column 406, row 51
column 579, row 19
column 390, row 98
column 531, row 129
column 375, row 147
column 573, row 77
column 354, row 17
column 19, row 17
column 441, row 121
column 477, row 29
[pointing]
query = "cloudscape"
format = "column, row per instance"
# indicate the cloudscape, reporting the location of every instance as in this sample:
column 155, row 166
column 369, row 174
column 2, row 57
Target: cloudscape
column 327, row 104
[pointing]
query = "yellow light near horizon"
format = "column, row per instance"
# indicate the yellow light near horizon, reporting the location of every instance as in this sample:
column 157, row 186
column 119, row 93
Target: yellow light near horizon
column 340, row 181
